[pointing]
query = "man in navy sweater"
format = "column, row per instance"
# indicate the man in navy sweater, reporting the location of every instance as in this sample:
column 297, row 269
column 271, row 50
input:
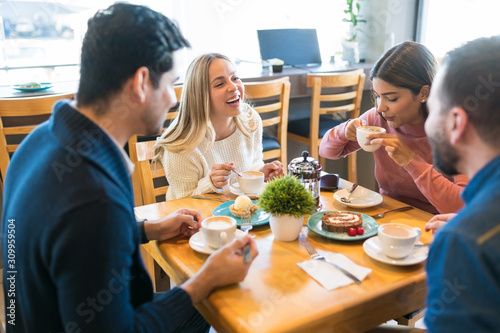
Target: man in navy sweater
column 70, row 241
column 463, row 268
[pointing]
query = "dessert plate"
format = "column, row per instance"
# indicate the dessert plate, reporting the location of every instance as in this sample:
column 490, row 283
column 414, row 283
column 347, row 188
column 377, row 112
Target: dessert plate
column 260, row 217
column 369, row 224
column 360, row 198
column 40, row 86
column 198, row 243
column 373, row 250
column 252, row 196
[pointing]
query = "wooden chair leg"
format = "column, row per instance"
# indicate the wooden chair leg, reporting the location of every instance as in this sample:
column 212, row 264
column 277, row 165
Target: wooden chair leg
column 160, row 279
column 352, row 167
column 411, row 318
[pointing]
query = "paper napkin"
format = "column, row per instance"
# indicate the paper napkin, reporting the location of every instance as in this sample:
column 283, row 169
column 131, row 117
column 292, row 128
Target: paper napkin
column 329, row 276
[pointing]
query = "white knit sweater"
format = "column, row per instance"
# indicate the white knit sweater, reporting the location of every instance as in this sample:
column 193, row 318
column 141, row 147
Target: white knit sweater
column 188, row 173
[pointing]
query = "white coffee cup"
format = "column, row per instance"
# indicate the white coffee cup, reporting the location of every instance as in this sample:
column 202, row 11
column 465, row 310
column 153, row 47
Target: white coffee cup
column 252, row 182
column 363, row 131
column 397, row 240
column 218, row 230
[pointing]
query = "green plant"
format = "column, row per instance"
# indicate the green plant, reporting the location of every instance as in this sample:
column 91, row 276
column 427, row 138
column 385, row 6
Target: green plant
column 287, row 196
column 354, row 17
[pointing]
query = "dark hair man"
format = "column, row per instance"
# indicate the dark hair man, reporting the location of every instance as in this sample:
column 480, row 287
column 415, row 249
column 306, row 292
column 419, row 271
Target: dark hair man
column 69, row 236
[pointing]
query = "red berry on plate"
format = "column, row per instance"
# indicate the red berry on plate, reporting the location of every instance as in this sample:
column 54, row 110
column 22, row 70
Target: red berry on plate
column 351, row 231
column 360, row 230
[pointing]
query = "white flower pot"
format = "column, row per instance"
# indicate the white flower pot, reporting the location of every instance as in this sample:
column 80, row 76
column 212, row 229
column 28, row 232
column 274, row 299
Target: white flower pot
column 286, row 228
column 350, row 51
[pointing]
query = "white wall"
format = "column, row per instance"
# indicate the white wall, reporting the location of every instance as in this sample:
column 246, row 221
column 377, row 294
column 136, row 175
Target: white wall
column 229, row 26
column 389, row 22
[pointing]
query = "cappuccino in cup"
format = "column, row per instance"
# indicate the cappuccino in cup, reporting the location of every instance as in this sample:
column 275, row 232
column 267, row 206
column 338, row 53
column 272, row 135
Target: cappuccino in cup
column 218, row 230
column 397, row 240
column 251, row 182
column 363, row 131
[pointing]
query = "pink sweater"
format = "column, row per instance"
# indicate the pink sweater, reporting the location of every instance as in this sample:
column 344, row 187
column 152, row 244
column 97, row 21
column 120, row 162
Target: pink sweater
column 418, row 183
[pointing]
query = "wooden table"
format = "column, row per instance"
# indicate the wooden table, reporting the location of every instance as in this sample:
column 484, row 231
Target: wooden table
column 278, row 296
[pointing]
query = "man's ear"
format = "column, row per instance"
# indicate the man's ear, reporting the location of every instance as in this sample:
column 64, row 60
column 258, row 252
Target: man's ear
column 456, row 124
column 140, row 84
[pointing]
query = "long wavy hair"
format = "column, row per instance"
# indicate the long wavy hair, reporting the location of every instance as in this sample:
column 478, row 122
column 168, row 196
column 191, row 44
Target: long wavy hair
column 193, row 124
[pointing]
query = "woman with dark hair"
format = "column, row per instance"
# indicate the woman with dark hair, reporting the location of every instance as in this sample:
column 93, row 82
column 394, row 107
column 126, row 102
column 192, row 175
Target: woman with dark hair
column 402, row 80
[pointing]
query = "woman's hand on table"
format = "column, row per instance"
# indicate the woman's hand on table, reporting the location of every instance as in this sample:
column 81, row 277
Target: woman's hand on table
column 220, row 173
column 397, row 149
column 272, row 170
column 224, row 267
column 181, row 222
column 437, row 221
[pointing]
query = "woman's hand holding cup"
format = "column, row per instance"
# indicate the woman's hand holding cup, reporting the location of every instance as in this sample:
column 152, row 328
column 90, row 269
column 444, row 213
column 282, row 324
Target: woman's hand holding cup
column 350, row 132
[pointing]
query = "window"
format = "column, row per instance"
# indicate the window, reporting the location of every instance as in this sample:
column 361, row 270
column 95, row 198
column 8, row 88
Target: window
column 50, row 38
column 41, row 40
column 446, row 24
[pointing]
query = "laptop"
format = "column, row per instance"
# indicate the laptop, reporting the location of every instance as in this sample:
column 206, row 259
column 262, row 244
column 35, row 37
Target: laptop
column 296, row 47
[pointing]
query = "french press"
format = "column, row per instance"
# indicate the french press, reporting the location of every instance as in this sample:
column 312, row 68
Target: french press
column 308, row 171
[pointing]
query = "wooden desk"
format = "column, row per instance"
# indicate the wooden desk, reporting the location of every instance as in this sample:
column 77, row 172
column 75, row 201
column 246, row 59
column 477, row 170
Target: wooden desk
column 278, row 296
column 298, row 75
column 253, row 72
column 57, row 88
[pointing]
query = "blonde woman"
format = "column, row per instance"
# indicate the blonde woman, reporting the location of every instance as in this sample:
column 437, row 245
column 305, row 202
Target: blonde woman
column 215, row 132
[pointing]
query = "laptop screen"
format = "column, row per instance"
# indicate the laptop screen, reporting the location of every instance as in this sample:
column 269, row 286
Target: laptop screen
column 294, row 46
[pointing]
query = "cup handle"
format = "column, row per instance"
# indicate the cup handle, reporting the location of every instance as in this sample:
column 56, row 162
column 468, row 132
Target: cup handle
column 232, row 181
column 419, row 233
column 223, row 238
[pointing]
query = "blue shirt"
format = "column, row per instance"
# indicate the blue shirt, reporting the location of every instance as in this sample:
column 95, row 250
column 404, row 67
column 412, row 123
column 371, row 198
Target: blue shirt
column 463, row 268
column 70, row 242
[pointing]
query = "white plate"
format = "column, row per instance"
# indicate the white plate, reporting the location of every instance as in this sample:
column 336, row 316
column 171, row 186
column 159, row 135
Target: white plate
column 198, row 243
column 373, row 250
column 360, row 198
column 252, row 196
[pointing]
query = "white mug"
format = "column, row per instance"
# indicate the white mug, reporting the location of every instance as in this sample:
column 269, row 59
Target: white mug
column 218, row 230
column 397, row 240
column 252, row 182
column 363, row 131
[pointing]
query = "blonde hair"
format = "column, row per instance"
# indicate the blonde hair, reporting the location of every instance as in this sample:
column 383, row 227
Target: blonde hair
column 193, row 124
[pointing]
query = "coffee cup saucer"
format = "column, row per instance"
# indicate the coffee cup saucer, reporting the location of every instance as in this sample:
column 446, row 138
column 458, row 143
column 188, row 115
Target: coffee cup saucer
column 238, row 192
column 372, row 248
column 361, row 197
column 198, row 243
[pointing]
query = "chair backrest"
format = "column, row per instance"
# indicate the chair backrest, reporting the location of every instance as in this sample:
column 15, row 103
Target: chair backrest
column 346, row 91
column 272, row 99
column 152, row 175
column 18, row 117
column 335, row 93
column 136, row 177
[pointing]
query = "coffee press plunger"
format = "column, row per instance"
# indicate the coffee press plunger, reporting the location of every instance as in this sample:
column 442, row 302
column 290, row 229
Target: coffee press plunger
column 308, row 171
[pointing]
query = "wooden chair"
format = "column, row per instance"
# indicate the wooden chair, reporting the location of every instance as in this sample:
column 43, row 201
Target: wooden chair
column 272, row 99
column 152, row 175
column 18, row 117
column 332, row 94
column 136, row 178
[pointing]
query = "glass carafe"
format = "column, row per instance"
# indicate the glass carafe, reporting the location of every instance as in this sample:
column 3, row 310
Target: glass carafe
column 308, row 171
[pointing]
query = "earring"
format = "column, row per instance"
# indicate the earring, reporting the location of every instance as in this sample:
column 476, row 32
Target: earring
column 423, row 101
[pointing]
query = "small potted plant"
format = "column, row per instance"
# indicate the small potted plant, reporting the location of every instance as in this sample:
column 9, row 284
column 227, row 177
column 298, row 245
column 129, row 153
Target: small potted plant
column 350, row 44
column 287, row 201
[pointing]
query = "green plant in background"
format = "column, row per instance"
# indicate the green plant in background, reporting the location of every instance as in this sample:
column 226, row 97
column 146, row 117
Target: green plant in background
column 287, row 196
column 354, row 18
